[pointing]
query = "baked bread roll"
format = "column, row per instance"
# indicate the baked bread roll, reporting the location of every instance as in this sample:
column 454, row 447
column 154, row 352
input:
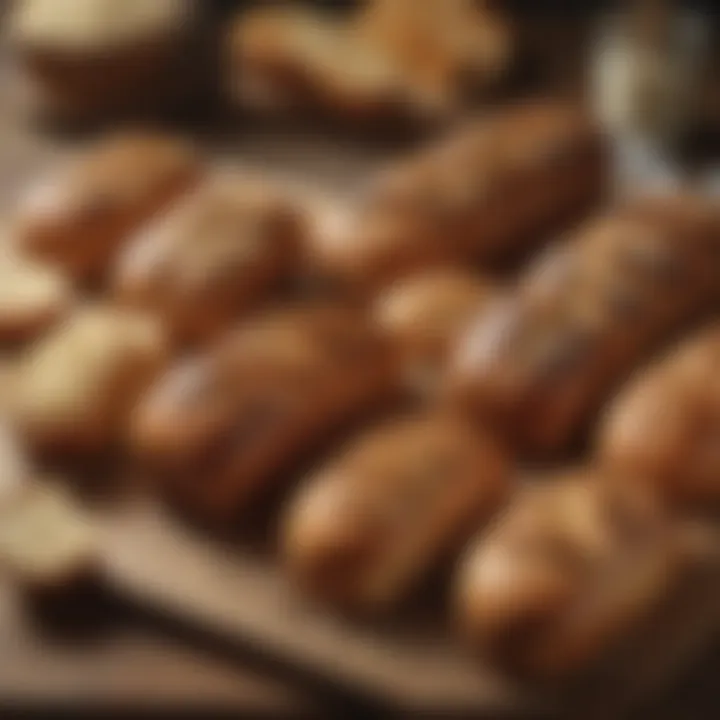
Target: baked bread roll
column 566, row 574
column 213, row 257
column 290, row 60
column 451, row 50
column 219, row 427
column 95, row 59
column 487, row 192
column 660, row 430
column 76, row 388
column 425, row 313
column 368, row 527
column 32, row 298
column 584, row 315
column 79, row 218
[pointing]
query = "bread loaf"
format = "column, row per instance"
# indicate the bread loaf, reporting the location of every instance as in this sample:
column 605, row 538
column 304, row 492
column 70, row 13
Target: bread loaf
column 79, row 217
column 213, row 257
column 661, row 428
column 425, row 314
column 584, row 315
column 218, row 428
column 564, row 576
column 487, row 192
column 368, row 527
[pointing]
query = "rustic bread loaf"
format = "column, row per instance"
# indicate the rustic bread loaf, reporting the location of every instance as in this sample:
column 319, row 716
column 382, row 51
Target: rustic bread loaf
column 365, row 529
column 585, row 314
column 488, row 191
column 213, row 257
column 219, row 427
column 565, row 575
column 661, row 428
column 79, row 217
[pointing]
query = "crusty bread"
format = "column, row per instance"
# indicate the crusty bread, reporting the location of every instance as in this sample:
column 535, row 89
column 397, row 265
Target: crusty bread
column 565, row 575
column 425, row 314
column 584, row 315
column 296, row 60
column 218, row 428
column 213, row 257
column 365, row 529
column 486, row 192
column 392, row 61
column 79, row 217
column 449, row 50
column 661, row 428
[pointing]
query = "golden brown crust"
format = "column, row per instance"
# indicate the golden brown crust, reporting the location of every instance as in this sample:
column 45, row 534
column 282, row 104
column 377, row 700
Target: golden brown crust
column 449, row 50
column 584, row 315
column 218, row 428
column 291, row 59
column 389, row 62
column 565, row 575
column 213, row 257
column 426, row 313
column 485, row 192
column 661, row 428
column 76, row 388
column 79, row 218
column 366, row 529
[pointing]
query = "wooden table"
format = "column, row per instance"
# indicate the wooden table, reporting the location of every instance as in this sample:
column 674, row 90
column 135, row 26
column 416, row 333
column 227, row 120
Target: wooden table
column 131, row 663
column 126, row 662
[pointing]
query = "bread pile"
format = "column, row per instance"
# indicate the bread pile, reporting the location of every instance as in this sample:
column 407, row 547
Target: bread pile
column 219, row 332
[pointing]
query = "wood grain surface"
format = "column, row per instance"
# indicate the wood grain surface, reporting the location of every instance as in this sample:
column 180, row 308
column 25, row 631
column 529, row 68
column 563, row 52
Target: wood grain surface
column 124, row 662
column 409, row 665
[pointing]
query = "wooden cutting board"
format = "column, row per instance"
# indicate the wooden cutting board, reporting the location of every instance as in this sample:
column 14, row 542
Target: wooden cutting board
column 239, row 596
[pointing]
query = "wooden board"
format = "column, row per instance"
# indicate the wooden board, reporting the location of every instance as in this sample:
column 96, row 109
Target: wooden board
column 241, row 597
column 125, row 664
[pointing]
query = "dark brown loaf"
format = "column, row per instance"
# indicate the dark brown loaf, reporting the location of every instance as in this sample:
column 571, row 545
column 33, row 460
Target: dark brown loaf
column 488, row 191
column 367, row 528
column 585, row 314
column 663, row 427
column 213, row 257
column 79, row 218
column 564, row 576
column 219, row 427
